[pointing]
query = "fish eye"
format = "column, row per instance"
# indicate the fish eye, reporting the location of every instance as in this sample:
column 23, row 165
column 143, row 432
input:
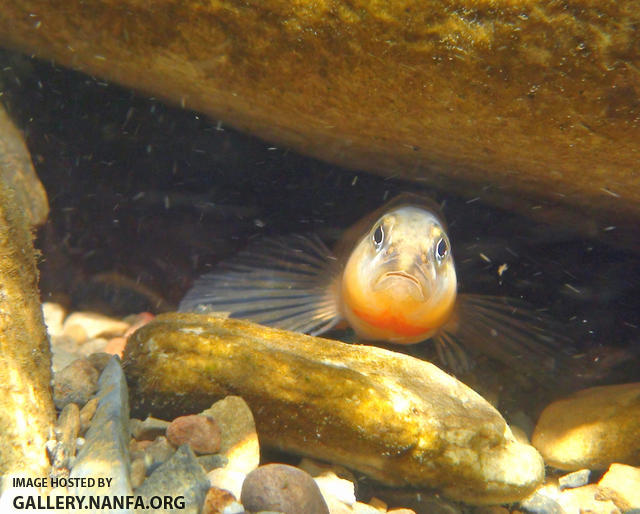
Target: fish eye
column 378, row 236
column 442, row 249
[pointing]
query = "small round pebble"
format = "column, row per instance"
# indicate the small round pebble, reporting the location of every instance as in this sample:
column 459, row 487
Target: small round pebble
column 216, row 501
column 200, row 432
column 282, row 488
column 76, row 383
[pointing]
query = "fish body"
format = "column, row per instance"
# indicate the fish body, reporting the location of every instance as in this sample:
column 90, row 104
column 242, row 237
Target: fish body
column 392, row 278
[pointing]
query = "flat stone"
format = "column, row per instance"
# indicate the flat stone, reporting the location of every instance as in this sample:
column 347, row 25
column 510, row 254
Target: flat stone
column 76, row 383
column 438, row 432
column 105, row 453
column 282, row 488
column 575, row 479
column 239, row 444
column 591, row 429
column 621, row 485
column 181, row 475
column 201, row 433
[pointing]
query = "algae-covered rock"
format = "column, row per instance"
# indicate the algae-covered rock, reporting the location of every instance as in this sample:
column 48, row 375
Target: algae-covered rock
column 518, row 99
column 25, row 376
column 17, row 172
column 592, row 428
column 398, row 419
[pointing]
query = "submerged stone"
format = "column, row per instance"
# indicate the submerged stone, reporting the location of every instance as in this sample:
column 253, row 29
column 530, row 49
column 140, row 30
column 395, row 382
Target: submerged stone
column 591, row 429
column 398, row 419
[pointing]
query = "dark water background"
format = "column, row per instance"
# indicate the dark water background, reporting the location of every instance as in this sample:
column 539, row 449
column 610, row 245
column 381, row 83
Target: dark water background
column 145, row 197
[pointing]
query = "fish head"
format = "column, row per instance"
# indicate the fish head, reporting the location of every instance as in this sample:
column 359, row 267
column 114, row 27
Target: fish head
column 399, row 282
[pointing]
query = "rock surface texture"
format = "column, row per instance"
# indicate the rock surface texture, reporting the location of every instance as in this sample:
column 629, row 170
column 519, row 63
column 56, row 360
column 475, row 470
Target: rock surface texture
column 25, row 358
column 592, row 428
column 398, row 419
column 538, row 99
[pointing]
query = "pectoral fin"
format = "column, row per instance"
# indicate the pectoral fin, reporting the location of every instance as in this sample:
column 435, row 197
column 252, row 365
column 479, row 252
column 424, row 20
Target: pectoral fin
column 283, row 282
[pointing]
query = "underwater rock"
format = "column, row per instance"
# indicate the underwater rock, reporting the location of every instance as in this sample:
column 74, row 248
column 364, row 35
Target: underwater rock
column 181, row 475
column 592, row 428
column 239, row 446
column 200, row 433
column 75, row 383
column 329, row 400
column 105, row 453
column 536, row 99
column 282, row 488
column 16, row 171
column 25, row 357
column 621, row 485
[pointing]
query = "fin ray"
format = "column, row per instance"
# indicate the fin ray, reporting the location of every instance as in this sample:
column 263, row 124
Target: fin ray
column 283, row 282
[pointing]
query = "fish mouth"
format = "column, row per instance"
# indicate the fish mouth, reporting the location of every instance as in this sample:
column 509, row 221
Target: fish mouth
column 401, row 282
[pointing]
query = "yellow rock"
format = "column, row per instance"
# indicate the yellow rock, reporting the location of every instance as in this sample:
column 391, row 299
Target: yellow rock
column 398, row 419
column 25, row 359
column 536, row 100
column 591, row 429
column 621, row 484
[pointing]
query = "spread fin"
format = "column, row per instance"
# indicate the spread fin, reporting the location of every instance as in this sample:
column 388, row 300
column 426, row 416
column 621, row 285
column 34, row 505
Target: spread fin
column 284, row 282
column 507, row 330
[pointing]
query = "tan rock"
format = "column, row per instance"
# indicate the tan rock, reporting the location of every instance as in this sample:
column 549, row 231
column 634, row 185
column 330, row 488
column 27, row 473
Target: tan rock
column 591, row 429
column 25, row 356
column 446, row 91
column 328, row 399
column 239, row 442
column 94, row 325
column 621, row 485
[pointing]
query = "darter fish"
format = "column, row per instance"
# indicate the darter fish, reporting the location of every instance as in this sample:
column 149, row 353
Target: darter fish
column 392, row 278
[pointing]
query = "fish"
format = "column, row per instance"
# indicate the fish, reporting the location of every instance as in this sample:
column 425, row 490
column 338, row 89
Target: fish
column 391, row 278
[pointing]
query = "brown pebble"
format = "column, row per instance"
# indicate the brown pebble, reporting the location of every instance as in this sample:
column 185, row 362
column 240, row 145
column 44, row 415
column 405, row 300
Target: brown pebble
column 75, row 383
column 100, row 360
column 216, row 500
column 200, row 432
column 282, row 488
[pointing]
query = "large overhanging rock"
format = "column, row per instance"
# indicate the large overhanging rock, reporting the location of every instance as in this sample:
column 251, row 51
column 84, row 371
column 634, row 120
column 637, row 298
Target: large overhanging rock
column 396, row 418
column 530, row 104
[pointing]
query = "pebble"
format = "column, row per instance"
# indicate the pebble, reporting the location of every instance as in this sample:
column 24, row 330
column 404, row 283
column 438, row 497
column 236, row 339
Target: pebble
column 181, row 475
column 93, row 346
column 138, row 472
column 53, row 314
column 209, row 462
column 335, row 482
column 67, row 430
column 94, row 325
column 591, row 429
column 239, row 439
column 217, row 500
column 76, row 383
column 86, row 414
column 105, row 453
column 575, row 479
column 621, row 485
column 100, row 360
column 200, row 432
column 549, row 499
column 282, row 488
column 158, row 452
column 148, row 429
column 115, row 346
column 64, row 350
